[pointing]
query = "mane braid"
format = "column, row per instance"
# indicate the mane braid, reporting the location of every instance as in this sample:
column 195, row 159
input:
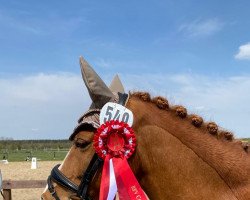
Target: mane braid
column 211, row 127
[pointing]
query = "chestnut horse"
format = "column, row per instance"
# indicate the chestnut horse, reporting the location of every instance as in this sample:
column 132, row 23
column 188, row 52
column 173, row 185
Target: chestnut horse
column 178, row 156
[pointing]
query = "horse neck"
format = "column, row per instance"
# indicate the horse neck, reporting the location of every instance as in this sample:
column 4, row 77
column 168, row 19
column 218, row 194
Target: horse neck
column 226, row 159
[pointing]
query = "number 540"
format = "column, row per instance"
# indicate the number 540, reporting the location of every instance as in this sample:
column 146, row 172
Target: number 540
column 116, row 114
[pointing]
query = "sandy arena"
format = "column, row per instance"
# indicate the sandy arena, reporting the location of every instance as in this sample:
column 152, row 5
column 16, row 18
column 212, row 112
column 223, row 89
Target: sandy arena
column 23, row 171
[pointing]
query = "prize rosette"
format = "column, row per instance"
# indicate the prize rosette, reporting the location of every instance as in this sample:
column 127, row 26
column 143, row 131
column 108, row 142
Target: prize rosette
column 115, row 142
column 114, row 139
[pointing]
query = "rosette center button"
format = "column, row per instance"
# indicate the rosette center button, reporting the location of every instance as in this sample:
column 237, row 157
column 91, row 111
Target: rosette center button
column 115, row 142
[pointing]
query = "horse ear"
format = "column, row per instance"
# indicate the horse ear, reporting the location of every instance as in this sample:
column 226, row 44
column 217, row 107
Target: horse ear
column 116, row 85
column 98, row 91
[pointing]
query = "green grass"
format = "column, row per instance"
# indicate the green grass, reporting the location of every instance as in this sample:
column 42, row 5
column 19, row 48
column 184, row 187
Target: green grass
column 246, row 139
column 19, row 150
column 21, row 155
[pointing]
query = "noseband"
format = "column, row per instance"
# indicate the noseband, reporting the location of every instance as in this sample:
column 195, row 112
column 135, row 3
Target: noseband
column 81, row 191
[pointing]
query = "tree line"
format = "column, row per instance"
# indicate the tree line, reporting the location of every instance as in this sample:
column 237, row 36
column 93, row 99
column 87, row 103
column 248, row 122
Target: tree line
column 33, row 144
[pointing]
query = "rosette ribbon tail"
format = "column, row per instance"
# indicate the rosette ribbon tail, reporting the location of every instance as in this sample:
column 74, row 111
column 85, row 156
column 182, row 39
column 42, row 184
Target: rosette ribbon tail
column 127, row 184
column 108, row 188
column 118, row 176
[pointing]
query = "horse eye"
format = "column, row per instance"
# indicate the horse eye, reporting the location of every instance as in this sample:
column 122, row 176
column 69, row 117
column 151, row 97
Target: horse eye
column 81, row 143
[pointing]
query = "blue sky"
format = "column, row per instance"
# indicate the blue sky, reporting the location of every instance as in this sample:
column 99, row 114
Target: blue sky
column 195, row 53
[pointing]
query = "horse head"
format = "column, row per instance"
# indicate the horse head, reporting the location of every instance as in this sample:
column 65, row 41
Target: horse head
column 72, row 170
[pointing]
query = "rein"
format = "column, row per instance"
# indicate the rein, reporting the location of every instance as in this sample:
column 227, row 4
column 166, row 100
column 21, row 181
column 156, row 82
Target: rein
column 81, row 191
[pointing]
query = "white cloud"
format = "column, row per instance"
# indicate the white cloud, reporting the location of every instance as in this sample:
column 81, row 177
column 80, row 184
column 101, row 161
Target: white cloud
column 219, row 99
column 48, row 105
column 42, row 105
column 199, row 28
column 244, row 52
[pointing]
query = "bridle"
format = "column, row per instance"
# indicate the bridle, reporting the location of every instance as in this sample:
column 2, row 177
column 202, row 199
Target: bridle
column 81, row 191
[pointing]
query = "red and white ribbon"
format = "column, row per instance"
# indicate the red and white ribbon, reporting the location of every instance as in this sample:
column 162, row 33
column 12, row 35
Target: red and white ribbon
column 114, row 141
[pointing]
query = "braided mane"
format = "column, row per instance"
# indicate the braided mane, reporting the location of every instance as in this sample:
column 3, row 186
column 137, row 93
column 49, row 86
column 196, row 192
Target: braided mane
column 209, row 127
